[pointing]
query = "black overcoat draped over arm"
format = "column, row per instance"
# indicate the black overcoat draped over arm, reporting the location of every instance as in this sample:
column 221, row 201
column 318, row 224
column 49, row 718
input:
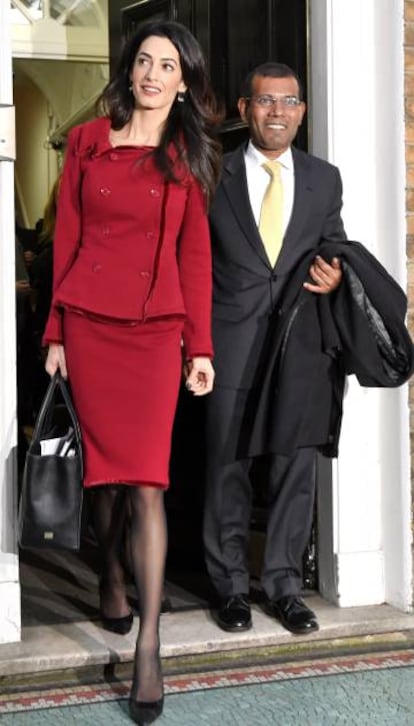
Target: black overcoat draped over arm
column 314, row 341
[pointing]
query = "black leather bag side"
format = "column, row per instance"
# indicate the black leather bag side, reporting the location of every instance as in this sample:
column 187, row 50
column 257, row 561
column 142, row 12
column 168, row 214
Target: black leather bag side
column 50, row 507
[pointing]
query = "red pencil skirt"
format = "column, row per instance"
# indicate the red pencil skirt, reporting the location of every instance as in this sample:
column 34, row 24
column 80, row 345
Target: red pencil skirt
column 125, row 381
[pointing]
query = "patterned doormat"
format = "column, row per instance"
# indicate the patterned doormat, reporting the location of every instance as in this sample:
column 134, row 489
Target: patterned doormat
column 47, row 697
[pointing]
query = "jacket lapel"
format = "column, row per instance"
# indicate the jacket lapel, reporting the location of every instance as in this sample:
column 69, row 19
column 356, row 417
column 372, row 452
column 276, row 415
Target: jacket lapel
column 234, row 183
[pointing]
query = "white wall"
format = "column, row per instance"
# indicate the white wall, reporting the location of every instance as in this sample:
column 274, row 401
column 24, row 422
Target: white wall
column 48, row 95
column 36, row 166
column 357, row 123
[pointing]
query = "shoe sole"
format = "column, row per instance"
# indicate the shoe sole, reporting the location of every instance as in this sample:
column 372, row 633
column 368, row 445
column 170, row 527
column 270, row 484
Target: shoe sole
column 299, row 631
column 234, row 628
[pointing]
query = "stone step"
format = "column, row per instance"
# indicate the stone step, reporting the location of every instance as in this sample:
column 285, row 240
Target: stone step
column 191, row 671
column 192, row 639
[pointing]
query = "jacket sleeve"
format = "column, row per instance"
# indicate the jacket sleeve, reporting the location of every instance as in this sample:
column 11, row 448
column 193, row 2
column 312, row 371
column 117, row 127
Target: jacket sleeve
column 333, row 230
column 67, row 234
column 195, row 269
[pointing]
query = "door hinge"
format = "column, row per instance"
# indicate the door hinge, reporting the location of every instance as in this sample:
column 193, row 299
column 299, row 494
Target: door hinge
column 7, row 133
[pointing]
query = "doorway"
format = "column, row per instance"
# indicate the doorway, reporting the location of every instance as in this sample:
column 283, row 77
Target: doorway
column 236, row 35
column 234, row 41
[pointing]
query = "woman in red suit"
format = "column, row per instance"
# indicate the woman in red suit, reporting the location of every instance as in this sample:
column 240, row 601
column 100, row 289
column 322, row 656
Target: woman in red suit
column 131, row 295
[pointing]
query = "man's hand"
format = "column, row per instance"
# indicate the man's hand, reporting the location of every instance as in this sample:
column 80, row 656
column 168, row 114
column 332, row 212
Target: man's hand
column 200, row 376
column 326, row 277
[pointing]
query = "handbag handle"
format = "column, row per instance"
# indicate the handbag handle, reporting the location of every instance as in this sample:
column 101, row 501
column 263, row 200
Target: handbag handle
column 55, row 382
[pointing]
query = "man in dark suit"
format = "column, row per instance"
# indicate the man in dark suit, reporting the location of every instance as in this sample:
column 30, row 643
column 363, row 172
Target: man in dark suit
column 249, row 276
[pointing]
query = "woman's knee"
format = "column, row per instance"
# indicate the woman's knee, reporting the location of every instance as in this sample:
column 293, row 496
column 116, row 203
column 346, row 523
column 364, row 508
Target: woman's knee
column 145, row 498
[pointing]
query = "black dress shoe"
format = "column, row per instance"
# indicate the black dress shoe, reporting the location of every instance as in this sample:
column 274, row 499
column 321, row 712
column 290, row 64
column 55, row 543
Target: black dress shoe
column 143, row 712
column 121, row 626
column 292, row 613
column 234, row 615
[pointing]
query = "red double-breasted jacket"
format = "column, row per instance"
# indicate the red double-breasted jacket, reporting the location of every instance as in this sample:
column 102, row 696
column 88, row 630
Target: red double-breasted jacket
column 128, row 245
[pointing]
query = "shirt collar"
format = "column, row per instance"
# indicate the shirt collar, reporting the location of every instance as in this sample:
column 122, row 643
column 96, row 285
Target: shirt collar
column 255, row 158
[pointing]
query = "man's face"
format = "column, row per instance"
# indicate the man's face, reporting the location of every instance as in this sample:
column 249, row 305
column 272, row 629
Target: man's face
column 273, row 127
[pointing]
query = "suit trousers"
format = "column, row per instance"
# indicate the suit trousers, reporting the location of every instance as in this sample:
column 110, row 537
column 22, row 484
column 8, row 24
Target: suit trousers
column 227, row 513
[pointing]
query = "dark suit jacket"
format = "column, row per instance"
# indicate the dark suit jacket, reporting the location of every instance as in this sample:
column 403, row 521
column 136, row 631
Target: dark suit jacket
column 245, row 287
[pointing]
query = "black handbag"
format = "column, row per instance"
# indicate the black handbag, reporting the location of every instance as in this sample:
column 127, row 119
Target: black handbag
column 52, row 492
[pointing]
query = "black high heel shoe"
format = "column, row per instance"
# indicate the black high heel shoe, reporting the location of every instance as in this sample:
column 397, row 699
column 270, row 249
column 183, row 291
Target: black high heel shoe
column 144, row 712
column 121, row 625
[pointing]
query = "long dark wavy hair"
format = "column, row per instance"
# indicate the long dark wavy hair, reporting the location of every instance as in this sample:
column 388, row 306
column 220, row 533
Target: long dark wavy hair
column 192, row 126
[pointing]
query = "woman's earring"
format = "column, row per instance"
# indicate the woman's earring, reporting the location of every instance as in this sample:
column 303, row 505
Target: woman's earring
column 180, row 97
column 130, row 87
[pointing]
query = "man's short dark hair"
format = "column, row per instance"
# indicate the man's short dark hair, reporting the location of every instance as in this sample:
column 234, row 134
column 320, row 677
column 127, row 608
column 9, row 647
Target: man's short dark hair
column 271, row 69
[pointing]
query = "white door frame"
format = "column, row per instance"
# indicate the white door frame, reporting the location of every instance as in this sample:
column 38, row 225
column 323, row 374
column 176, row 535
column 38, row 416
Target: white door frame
column 357, row 122
column 9, row 563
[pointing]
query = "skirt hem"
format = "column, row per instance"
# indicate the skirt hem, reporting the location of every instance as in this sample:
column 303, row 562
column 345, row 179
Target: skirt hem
column 134, row 483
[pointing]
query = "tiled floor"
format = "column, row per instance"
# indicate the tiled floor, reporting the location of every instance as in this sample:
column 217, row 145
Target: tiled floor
column 372, row 692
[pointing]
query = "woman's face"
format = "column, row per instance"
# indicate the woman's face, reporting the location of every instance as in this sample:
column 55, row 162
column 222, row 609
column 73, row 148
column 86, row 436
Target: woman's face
column 156, row 76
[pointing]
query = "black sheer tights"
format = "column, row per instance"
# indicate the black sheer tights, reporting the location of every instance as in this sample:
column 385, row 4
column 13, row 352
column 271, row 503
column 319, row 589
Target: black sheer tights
column 148, row 544
column 140, row 510
column 109, row 511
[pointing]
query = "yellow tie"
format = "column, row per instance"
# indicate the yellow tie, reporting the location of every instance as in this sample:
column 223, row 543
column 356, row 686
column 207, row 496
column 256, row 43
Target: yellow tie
column 270, row 224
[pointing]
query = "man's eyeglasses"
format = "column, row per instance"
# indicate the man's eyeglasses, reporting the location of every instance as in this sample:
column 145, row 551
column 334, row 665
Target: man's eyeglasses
column 266, row 101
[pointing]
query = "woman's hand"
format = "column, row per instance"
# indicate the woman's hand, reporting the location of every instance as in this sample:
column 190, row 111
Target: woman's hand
column 200, row 376
column 56, row 359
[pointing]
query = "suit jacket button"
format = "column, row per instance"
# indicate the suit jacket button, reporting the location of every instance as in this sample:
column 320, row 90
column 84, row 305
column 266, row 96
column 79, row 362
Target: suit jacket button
column 144, row 274
column 113, row 156
column 96, row 268
column 105, row 191
column 154, row 192
column 150, row 235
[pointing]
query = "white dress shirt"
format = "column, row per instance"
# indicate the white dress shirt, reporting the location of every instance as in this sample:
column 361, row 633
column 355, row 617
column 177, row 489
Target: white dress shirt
column 258, row 180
